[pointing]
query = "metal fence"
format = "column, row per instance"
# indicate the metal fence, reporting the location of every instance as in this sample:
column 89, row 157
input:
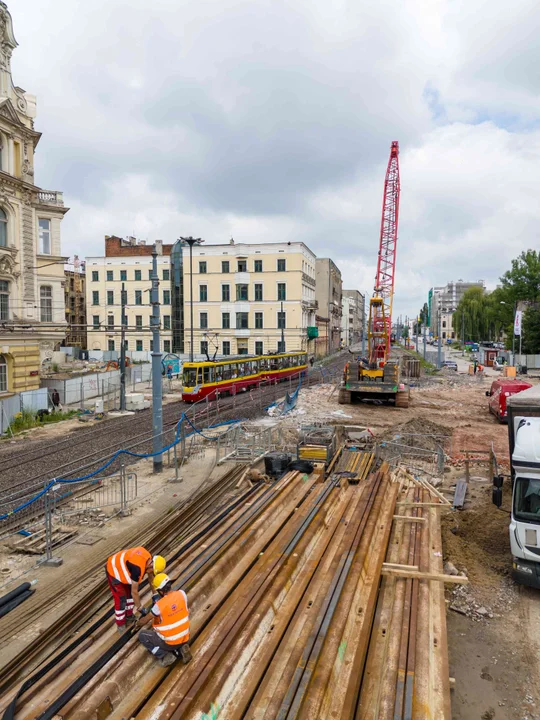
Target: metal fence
column 29, row 400
column 420, row 453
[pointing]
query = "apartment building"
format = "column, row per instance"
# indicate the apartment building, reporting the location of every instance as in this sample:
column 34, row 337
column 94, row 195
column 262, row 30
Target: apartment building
column 329, row 297
column 249, row 298
column 353, row 316
column 32, row 311
column 75, row 303
column 443, row 302
column 128, row 262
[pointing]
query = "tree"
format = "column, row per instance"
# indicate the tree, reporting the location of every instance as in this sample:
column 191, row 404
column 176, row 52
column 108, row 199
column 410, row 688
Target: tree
column 522, row 282
column 531, row 330
column 405, row 332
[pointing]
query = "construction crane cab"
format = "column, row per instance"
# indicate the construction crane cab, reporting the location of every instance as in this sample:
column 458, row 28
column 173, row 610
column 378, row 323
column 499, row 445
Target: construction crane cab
column 377, row 377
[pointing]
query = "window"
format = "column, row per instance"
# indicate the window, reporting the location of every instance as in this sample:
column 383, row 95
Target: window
column 95, row 276
column 151, row 346
column 138, row 297
column 225, row 293
column 110, row 297
column 258, row 291
column 281, row 320
column 225, row 266
column 258, row 320
column 166, row 274
column 242, row 322
column 111, row 345
column 126, row 344
column 204, row 347
column 259, row 348
column 123, row 275
column 95, row 322
column 226, row 347
column 202, row 267
column 241, row 292
column 281, row 347
column 167, row 346
column 95, row 297
column 242, row 266
column 281, row 291
column 203, row 321
column 137, row 274
column 110, row 322
column 166, row 322
column 110, row 275
column 258, row 266
column 3, row 374
column 166, row 297
column 45, row 302
column 203, row 293
column 139, row 345
column 225, row 321
column 3, row 228
column 4, row 300
column 138, row 322
column 281, row 265
column 44, row 236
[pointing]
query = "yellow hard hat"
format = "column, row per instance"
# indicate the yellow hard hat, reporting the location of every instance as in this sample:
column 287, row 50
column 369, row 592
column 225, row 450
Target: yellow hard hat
column 160, row 581
column 158, row 563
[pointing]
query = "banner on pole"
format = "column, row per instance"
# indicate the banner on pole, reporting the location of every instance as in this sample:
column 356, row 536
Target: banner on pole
column 517, row 322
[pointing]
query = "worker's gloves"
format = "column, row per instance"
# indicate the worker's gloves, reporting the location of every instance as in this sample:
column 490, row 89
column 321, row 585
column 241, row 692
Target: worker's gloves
column 144, row 611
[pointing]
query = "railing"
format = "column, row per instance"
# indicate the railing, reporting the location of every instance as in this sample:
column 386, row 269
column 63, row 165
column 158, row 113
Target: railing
column 50, row 197
column 308, row 279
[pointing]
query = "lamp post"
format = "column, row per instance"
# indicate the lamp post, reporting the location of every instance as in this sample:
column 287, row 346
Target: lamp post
column 463, row 329
column 191, row 242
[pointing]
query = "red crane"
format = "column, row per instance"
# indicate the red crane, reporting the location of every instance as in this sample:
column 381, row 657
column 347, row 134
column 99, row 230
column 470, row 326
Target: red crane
column 380, row 308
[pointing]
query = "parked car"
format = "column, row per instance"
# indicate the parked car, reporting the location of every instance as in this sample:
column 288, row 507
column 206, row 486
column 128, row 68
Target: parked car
column 501, row 389
column 450, row 365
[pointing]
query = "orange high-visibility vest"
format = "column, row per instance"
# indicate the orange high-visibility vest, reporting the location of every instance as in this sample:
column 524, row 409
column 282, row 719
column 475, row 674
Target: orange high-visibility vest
column 173, row 625
column 117, row 568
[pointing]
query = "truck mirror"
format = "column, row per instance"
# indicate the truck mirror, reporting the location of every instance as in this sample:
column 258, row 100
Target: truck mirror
column 496, row 496
column 498, row 481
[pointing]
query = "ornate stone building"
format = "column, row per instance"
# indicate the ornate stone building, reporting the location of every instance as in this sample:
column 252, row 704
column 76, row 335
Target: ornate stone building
column 32, row 314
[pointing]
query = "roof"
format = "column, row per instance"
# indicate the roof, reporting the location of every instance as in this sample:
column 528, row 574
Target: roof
column 525, row 397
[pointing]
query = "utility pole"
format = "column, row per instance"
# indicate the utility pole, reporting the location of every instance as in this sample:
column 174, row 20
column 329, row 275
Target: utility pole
column 282, row 329
column 417, row 321
column 463, row 328
column 439, row 341
column 157, row 390
column 424, row 338
column 123, row 324
column 514, row 335
column 364, row 326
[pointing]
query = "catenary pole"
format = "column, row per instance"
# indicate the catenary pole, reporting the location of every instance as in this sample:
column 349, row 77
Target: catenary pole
column 123, row 324
column 157, row 392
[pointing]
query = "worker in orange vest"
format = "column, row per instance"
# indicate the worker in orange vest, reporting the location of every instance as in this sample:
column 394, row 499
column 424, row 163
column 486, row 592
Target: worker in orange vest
column 168, row 638
column 125, row 572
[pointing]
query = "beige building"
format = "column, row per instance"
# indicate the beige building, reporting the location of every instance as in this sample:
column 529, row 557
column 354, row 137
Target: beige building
column 247, row 297
column 129, row 262
column 329, row 294
column 32, row 316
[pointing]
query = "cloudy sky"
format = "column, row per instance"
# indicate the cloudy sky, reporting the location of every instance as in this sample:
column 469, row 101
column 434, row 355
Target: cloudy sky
column 272, row 120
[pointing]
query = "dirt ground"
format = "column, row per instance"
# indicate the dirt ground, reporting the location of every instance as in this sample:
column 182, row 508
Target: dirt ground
column 493, row 624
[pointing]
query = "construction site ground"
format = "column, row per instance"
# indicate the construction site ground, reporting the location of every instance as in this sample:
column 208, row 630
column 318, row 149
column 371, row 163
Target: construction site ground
column 493, row 624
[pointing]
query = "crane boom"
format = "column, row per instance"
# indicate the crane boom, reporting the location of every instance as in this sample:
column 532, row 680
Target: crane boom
column 380, row 324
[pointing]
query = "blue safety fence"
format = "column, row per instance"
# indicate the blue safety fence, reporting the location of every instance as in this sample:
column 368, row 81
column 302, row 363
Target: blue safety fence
column 177, row 439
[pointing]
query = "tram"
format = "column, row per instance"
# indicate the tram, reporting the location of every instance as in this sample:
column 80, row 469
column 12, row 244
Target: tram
column 238, row 374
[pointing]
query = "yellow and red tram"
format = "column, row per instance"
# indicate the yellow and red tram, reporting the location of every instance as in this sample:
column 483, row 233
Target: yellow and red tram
column 238, row 374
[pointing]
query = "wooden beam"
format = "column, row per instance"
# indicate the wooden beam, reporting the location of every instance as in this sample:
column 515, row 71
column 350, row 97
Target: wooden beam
column 416, row 575
column 410, row 518
column 443, row 506
column 460, row 493
column 397, row 566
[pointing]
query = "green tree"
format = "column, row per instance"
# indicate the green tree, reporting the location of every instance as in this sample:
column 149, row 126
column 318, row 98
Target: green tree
column 531, row 330
column 522, row 282
column 405, row 332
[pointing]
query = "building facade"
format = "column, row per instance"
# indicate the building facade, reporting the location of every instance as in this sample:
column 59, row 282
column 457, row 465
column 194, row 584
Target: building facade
column 353, row 317
column 329, row 298
column 249, row 298
column 443, row 304
column 75, row 303
column 128, row 262
column 32, row 312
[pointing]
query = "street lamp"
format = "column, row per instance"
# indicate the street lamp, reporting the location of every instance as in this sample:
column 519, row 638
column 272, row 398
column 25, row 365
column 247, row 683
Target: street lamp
column 191, row 242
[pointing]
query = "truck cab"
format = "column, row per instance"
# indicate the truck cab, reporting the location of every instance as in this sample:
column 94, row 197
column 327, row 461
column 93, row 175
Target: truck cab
column 501, row 389
column 524, row 446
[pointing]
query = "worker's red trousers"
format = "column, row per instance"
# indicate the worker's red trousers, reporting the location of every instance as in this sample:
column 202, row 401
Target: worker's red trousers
column 123, row 602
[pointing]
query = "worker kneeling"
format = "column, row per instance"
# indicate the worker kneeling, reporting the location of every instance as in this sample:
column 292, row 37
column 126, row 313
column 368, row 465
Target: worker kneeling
column 168, row 639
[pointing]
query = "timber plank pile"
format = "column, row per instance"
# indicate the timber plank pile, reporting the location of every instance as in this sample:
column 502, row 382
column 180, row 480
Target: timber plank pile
column 314, row 598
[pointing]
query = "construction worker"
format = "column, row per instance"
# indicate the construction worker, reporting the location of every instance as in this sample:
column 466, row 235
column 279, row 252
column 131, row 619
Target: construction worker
column 125, row 572
column 168, row 638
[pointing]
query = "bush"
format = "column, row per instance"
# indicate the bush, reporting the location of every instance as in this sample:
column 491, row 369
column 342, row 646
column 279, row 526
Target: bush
column 28, row 419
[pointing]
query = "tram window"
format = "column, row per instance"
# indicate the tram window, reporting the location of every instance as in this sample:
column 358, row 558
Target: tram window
column 234, row 371
column 304, row 360
column 226, row 372
column 208, row 374
column 199, row 376
column 274, row 363
column 263, row 364
column 190, row 377
column 218, row 373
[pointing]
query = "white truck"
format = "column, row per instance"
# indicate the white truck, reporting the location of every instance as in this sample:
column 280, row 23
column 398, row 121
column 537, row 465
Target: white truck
column 524, row 441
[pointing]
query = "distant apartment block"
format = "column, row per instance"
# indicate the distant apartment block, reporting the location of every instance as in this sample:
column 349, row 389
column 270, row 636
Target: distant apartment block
column 328, row 295
column 443, row 303
column 353, row 316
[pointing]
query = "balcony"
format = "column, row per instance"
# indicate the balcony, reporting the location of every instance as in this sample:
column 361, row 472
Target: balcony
column 308, row 279
column 50, row 197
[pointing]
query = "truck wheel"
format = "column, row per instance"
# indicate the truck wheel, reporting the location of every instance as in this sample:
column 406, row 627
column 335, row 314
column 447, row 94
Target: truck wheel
column 344, row 397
